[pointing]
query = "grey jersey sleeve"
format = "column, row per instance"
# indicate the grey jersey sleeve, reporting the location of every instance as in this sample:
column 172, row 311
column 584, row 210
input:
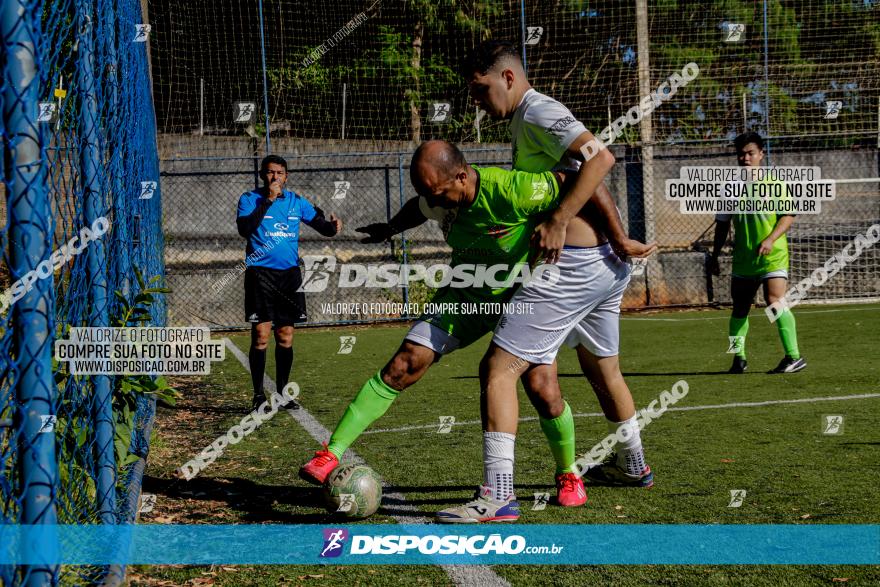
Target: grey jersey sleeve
column 553, row 126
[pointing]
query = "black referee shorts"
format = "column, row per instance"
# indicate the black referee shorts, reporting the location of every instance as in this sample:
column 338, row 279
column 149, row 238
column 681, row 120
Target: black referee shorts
column 270, row 295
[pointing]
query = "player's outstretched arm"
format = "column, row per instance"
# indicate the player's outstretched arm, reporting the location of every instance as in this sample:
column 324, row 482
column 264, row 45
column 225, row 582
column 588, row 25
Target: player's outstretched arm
column 324, row 226
column 409, row 216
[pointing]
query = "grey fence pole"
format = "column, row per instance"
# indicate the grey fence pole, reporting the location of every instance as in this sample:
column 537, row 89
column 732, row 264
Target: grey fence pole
column 256, row 163
column 403, row 234
column 30, row 235
column 646, row 129
column 766, row 84
column 388, row 206
column 522, row 32
column 265, row 83
column 91, row 160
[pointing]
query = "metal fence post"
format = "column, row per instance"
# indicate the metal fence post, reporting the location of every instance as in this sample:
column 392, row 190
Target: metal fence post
column 30, row 240
column 387, row 194
column 522, row 33
column 95, row 207
column 647, row 135
column 121, row 234
column 403, row 235
column 265, row 83
column 768, row 131
column 388, row 204
column 256, row 161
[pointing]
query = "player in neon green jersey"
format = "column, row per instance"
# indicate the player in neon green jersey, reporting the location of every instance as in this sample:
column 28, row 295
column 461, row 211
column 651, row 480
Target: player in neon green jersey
column 760, row 256
column 489, row 216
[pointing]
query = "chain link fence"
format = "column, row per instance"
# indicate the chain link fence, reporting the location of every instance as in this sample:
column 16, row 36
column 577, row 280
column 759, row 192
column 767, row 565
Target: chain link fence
column 80, row 216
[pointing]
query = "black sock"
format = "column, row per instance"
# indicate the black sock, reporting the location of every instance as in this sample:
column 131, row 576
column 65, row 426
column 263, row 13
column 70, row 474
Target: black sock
column 283, row 365
column 257, row 360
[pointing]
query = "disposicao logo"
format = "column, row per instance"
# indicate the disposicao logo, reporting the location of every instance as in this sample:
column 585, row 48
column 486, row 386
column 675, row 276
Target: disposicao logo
column 334, row 542
column 407, row 544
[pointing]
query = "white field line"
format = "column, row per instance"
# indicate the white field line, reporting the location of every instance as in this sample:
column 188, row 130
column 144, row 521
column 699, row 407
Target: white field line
column 857, row 180
column 807, row 400
column 754, row 313
column 464, row 575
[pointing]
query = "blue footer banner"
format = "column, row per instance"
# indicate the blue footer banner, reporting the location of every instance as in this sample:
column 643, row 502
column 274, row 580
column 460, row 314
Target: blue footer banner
column 432, row 544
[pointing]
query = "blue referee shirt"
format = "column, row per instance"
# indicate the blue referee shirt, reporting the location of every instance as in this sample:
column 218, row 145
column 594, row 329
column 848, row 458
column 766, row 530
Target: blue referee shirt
column 281, row 226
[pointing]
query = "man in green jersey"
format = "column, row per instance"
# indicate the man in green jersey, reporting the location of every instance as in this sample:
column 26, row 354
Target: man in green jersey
column 489, row 216
column 760, row 256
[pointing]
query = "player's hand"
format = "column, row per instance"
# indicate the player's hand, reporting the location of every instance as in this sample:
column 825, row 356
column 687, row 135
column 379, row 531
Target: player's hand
column 548, row 239
column 336, row 222
column 712, row 265
column 376, row 233
column 629, row 247
column 274, row 189
column 766, row 247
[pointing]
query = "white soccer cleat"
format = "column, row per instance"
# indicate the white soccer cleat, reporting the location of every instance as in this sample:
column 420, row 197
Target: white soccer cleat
column 482, row 509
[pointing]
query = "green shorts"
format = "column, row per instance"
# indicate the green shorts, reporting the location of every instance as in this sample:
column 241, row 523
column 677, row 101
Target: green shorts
column 458, row 317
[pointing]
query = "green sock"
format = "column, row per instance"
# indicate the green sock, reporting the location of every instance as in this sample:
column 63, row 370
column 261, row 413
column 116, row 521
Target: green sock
column 371, row 402
column 560, row 434
column 788, row 333
column 739, row 327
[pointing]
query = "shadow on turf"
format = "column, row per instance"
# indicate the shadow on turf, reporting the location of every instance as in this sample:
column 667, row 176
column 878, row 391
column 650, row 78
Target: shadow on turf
column 676, row 373
column 239, row 409
column 254, row 502
column 258, row 503
column 633, row 374
column 453, row 499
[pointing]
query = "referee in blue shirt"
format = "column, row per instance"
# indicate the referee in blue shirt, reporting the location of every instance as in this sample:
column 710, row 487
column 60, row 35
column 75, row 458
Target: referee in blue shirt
column 270, row 218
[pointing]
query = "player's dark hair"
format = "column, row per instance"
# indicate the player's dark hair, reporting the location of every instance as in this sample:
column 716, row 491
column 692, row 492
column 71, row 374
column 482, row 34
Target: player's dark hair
column 264, row 164
column 486, row 55
column 744, row 139
column 449, row 160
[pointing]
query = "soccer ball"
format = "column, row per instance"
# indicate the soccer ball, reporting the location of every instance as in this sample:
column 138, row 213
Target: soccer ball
column 353, row 491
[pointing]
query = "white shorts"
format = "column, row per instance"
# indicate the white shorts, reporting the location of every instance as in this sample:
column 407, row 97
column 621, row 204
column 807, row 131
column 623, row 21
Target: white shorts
column 428, row 335
column 778, row 273
column 581, row 308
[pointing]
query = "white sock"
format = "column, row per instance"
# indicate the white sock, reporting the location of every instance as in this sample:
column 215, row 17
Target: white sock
column 498, row 464
column 630, row 454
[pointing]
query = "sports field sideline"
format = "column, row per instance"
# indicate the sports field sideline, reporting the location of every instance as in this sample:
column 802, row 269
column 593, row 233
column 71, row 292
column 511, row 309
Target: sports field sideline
column 755, row 432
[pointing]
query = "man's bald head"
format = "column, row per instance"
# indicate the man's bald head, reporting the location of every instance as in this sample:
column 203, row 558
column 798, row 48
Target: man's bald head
column 436, row 161
column 439, row 171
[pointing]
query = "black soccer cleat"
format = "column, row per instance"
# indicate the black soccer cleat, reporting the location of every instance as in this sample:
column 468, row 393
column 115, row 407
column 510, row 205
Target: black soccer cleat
column 290, row 405
column 257, row 401
column 789, row 365
column 739, row 365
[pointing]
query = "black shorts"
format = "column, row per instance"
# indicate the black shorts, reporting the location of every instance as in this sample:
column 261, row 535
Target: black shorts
column 270, row 295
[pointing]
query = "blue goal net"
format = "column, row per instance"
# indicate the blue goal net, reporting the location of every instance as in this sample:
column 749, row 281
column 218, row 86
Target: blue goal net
column 81, row 241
